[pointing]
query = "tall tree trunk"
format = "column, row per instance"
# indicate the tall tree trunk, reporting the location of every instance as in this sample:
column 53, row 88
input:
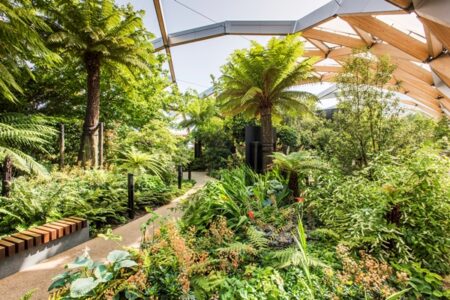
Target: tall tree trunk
column 89, row 137
column 266, row 137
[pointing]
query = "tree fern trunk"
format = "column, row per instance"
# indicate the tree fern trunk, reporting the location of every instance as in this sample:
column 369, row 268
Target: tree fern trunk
column 266, row 137
column 7, row 176
column 89, row 138
column 293, row 184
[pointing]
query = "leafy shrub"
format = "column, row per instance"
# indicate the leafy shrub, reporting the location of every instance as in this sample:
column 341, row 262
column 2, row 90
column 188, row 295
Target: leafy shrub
column 239, row 192
column 99, row 196
column 398, row 209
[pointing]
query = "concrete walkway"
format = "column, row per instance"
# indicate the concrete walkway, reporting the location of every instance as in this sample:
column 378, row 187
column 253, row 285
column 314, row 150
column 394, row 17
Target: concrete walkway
column 39, row 277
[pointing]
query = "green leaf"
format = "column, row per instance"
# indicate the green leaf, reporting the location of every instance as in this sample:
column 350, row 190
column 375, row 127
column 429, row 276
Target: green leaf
column 117, row 255
column 397, row 295
column 82, row 286
column 59, row 281
column 127, row 263
column 102, row 274
column 81, row 261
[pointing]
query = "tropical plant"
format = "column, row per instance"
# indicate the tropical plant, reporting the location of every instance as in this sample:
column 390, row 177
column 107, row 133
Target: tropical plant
column 298, row 166
column 100, row 34
column 20, row 41
column 198, row 112
column 259, row 82
column 20, row 135
column 138, row 162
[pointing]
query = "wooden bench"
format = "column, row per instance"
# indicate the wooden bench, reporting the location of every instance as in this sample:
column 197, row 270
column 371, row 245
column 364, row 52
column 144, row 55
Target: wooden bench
column 33, row 237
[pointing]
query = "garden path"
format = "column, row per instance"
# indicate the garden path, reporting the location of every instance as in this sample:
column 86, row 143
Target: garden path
column 39, row 276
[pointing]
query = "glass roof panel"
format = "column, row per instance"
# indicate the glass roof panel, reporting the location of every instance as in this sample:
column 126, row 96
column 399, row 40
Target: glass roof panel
column 338, row 25
column 185, row 14
column 407, row 23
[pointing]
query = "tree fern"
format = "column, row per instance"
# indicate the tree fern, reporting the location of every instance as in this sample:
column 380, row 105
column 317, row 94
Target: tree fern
column 258, row 82
column 100, row 34
column 20, row 133
column 138, row 162
column 20, row 41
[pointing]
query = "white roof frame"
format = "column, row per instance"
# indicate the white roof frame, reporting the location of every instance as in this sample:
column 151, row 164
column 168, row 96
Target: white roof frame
column 430, row 89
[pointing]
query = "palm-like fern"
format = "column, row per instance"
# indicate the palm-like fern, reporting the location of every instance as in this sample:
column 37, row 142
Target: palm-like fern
column 100, row 34
column 297, row 165
column 19, row 133
column 138, row 162
column 258, row 82
column 198, row 112
column 19, row 41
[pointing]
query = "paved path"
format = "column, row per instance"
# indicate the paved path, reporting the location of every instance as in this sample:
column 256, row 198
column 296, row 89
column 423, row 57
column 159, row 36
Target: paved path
column 39, row 276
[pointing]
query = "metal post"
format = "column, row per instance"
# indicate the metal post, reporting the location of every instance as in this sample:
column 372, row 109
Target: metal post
column 256, row 157
column 100, row 144
column 189, row 172
column 61, row 146
column 7, row 176
column 180, row 175
column 131, row 195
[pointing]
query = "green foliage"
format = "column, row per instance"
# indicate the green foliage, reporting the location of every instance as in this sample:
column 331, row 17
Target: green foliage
column 303, row 163
column 99, row 196
column 138, row 162
column 238, row 192
column 20, row 135
column 20, row 41
column 422, row 282
column 87, row 278
column 397, row 208
column 261, row 76
column 216, row 142
column 99, row 27
column 287, row 136
column 367, row 115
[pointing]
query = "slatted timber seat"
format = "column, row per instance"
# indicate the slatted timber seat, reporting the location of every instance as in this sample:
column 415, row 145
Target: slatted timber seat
column 33, row 237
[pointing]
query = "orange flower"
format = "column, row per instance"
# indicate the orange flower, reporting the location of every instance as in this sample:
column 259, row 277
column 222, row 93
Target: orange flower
column 251, row 214
column 299, row 199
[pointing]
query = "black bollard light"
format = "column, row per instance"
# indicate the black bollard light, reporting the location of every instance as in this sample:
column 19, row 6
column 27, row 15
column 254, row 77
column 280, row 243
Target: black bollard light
column 180, row 175
column 130, row 195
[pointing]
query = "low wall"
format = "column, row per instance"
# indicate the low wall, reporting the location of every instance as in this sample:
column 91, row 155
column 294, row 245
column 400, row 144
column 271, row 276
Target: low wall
column 27, row 258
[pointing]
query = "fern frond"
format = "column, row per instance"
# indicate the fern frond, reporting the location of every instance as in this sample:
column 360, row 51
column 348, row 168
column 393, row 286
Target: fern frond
column 257, row 238
column 286, row 257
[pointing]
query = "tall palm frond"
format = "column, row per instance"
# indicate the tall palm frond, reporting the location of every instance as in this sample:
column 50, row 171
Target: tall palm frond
column 20, row 133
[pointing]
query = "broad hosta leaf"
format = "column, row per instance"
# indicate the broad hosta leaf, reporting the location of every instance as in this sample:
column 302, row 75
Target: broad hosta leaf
column 117, row 255
column 59, row 281
column 82, row 286
column 81, row 261
column 125, row 264
column 102, row 274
